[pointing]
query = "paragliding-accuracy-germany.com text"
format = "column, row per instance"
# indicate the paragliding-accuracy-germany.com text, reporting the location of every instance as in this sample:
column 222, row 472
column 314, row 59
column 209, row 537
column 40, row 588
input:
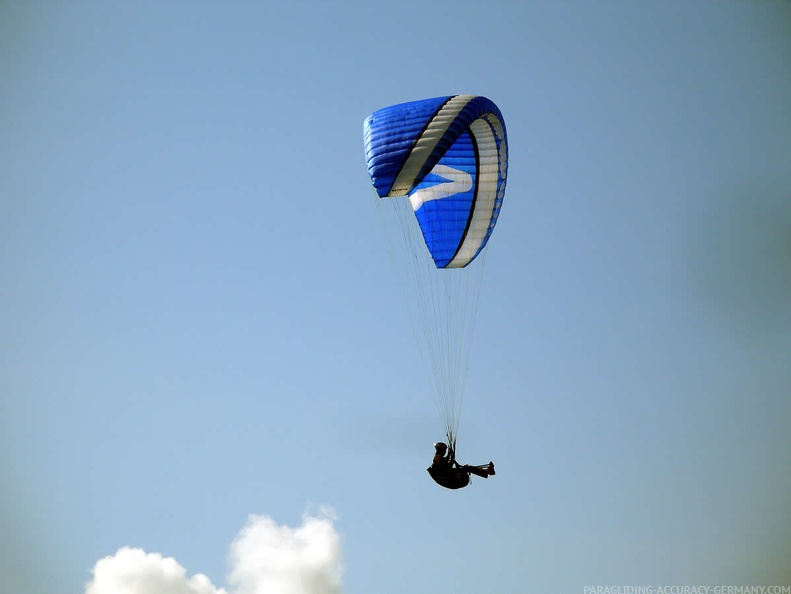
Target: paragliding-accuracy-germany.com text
column 687, row 590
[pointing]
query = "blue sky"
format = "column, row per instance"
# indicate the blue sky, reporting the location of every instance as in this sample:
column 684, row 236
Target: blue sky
column 200, row 321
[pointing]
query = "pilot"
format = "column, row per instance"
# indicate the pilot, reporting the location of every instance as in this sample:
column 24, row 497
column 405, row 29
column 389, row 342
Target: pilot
column 448, row 473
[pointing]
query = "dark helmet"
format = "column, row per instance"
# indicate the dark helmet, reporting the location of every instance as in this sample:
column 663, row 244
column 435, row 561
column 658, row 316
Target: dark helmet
column 439, row 446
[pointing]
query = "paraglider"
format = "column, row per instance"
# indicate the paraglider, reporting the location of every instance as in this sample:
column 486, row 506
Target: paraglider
column 450, row 474
column 440, row 166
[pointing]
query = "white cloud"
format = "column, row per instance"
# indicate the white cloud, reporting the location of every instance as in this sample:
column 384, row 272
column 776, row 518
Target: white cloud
column 133, row 571
column 264, row 558
column 267, row 558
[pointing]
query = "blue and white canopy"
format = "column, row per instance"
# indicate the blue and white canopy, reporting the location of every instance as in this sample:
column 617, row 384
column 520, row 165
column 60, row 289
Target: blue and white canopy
column 450, row 156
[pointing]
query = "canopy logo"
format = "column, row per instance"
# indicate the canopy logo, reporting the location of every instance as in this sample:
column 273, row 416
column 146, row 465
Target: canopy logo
column 455, row 182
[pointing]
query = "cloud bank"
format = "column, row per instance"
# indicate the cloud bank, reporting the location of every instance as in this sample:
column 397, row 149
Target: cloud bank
column 264, row 558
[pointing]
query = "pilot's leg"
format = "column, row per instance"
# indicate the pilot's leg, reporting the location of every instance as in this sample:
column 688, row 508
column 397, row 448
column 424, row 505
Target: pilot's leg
column 481, row 471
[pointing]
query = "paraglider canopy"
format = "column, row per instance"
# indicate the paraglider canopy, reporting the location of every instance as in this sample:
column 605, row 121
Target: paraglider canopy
column 450, row 156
